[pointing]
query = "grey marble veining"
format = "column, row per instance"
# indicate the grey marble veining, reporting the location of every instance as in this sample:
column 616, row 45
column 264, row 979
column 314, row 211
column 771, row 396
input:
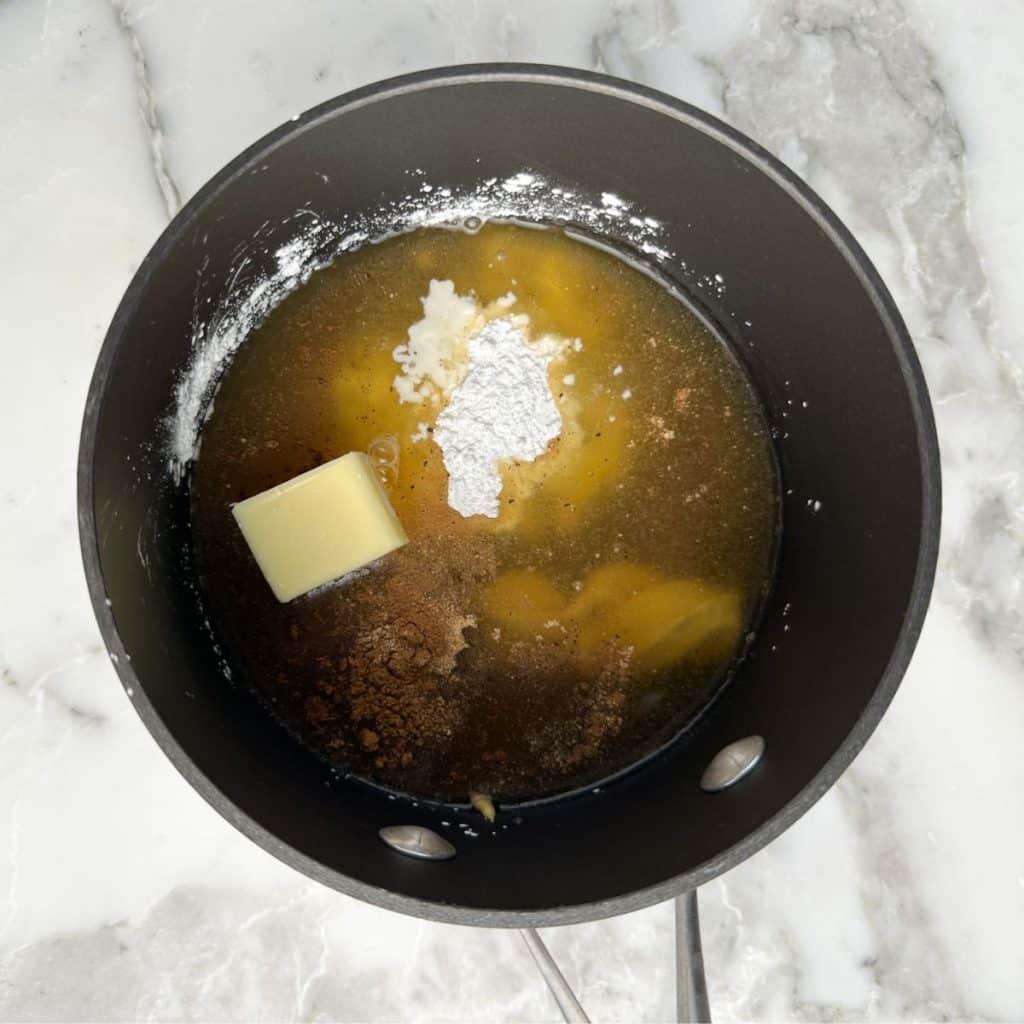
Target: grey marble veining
column 899, row 896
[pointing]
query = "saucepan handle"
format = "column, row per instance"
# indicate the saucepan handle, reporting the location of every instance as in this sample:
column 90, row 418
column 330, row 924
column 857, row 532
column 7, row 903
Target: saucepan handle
column 572, row 1012
column 691, row 984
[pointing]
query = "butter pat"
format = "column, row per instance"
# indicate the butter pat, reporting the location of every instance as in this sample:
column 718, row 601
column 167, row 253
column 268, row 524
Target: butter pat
column 319, row 525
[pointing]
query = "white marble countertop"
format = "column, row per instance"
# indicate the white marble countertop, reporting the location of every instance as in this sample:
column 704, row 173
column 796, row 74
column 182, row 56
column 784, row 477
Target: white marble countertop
column 123, row 896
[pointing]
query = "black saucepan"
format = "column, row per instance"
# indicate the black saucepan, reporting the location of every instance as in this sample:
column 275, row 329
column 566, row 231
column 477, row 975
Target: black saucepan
column 859, row 465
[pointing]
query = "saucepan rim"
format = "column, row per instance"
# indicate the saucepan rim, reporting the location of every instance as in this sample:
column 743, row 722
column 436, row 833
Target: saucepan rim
column 927, row 445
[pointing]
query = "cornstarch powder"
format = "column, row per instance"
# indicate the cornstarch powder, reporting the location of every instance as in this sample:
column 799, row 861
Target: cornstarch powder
column 502, row 409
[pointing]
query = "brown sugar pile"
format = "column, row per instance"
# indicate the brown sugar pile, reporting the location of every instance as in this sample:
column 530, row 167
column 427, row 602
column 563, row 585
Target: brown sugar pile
column 397, row 681
column 402, row 697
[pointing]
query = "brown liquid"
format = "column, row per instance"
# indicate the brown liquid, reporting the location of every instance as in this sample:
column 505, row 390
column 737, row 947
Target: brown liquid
column 540, row 651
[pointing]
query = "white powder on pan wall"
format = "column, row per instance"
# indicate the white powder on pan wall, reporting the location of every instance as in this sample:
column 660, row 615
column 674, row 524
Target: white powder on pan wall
column 503, row 409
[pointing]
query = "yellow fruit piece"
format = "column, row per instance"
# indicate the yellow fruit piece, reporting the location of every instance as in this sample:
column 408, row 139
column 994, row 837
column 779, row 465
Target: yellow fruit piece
column 609, row 586
column 625, row 605
column 562, row 282
column 677, row 619
column 595, row 455
column 558, row 489
column 556, row 285
column 366, row 404
column 369, row 416
column 499, row 261
column 522, row 602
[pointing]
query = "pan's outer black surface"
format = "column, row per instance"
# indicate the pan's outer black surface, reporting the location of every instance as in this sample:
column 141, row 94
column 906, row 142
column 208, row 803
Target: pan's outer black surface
column 855, row 574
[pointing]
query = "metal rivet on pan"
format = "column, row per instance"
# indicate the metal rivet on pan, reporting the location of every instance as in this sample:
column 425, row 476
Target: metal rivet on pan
column 732, row 763
column 417, row 841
